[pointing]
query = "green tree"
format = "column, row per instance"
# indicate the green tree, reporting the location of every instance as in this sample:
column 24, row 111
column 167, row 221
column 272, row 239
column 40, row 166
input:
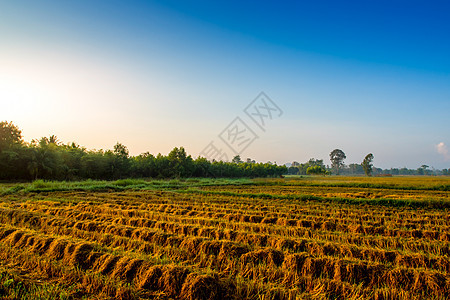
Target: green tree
column 236, row 159
column 48, row 158
column 315, row 170
column 121, row 150
column 95, row 165
column 367, row 164
column 355, row 169
column 120, row 164
column 293, row 170
column 337, row 157
column 202, row 167
column 11, row 151
column 181, row 164
column 10, row 135
column 423, row 170
column 45, row 160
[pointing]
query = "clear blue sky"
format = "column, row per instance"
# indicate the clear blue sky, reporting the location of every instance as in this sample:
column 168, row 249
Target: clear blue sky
column 356, row 75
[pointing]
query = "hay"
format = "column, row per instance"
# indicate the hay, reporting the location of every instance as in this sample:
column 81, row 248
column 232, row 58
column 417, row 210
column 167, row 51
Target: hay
column 356, row 228
column 210, row 247
column 124, row 293
column 15, row 237
column 329, row 226
column 30, row 241
column 283, row 244
column 330, row 249
column 295, row 261
column 268, row 256
column 160, row 238
column 268, row 220
column 22, row 242
column 41, row 246
column 304, row 223
column 172, row 280
column 120, row 266
column 317, row 267
column 80, row 256
column 191, row 245
column 256, row 219
column 6, row 232
column 131, row 269
column 174, row 241
column 399, row 277
column 56, row 249
column 433, row 282
column 201, row 287
column 148, row 279
column 109, row 263
column 232, row 250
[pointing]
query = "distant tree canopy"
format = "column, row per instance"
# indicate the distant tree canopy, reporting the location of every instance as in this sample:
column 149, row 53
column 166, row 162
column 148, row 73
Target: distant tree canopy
column 315, row 170
column 337, row 157
column 302, row 169
column 367, row 164
column 48, row 158
column 236, row 159
column 10, row 135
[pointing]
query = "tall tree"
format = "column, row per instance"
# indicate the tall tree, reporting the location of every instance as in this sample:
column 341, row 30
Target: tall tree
column 236, row 159
column 9, row 135
column 12, row 151
column 181, row 164
column 337, row 157
column 367, row 164
column 120, row 162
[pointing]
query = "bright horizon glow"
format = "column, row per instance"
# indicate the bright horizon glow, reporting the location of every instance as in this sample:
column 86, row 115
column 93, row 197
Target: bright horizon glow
column 162, row 74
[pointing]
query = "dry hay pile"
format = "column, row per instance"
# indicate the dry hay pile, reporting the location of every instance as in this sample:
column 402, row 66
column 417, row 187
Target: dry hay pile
column 197, row 245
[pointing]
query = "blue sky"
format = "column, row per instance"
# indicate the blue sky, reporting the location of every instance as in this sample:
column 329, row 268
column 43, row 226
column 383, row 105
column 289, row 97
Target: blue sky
column 359, row 76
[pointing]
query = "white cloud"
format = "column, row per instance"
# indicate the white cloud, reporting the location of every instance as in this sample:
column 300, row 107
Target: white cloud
column 443, row 150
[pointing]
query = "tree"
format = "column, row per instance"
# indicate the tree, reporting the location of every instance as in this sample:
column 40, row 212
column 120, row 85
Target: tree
column 315, row 162
column 315, row 170
column 236, row 159
column 367, row 164
column 9, row 135
column 355, row 169
column 49, row 158
column 181, row 164
column 121, row 150
column 337, row 157
column 12, row 159
column 53, row 139
column 422, row 170
column 292, row 170
column 120, row 164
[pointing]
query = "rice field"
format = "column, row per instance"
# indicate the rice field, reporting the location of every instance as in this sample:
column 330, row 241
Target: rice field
column 287, row 238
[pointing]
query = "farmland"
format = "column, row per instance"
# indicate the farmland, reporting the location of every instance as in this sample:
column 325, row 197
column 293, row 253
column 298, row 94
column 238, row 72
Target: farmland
column 287, row 238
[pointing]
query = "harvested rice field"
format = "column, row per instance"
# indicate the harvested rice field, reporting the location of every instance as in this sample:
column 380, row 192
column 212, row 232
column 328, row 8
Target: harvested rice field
column 287, row 238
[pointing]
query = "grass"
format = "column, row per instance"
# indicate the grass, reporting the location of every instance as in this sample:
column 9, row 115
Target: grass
column 24, row 288
column 40, row 185
column 440, row 183
column 396, row 183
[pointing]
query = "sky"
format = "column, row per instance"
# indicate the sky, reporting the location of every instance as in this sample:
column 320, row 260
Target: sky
column 361, row 76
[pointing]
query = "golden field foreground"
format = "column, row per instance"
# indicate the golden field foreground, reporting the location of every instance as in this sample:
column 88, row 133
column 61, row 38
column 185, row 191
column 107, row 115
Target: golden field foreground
column 288, row 238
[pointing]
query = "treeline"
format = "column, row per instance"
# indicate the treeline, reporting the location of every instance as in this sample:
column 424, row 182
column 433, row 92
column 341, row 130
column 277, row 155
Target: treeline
column 48, row 158
column 357, row 169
